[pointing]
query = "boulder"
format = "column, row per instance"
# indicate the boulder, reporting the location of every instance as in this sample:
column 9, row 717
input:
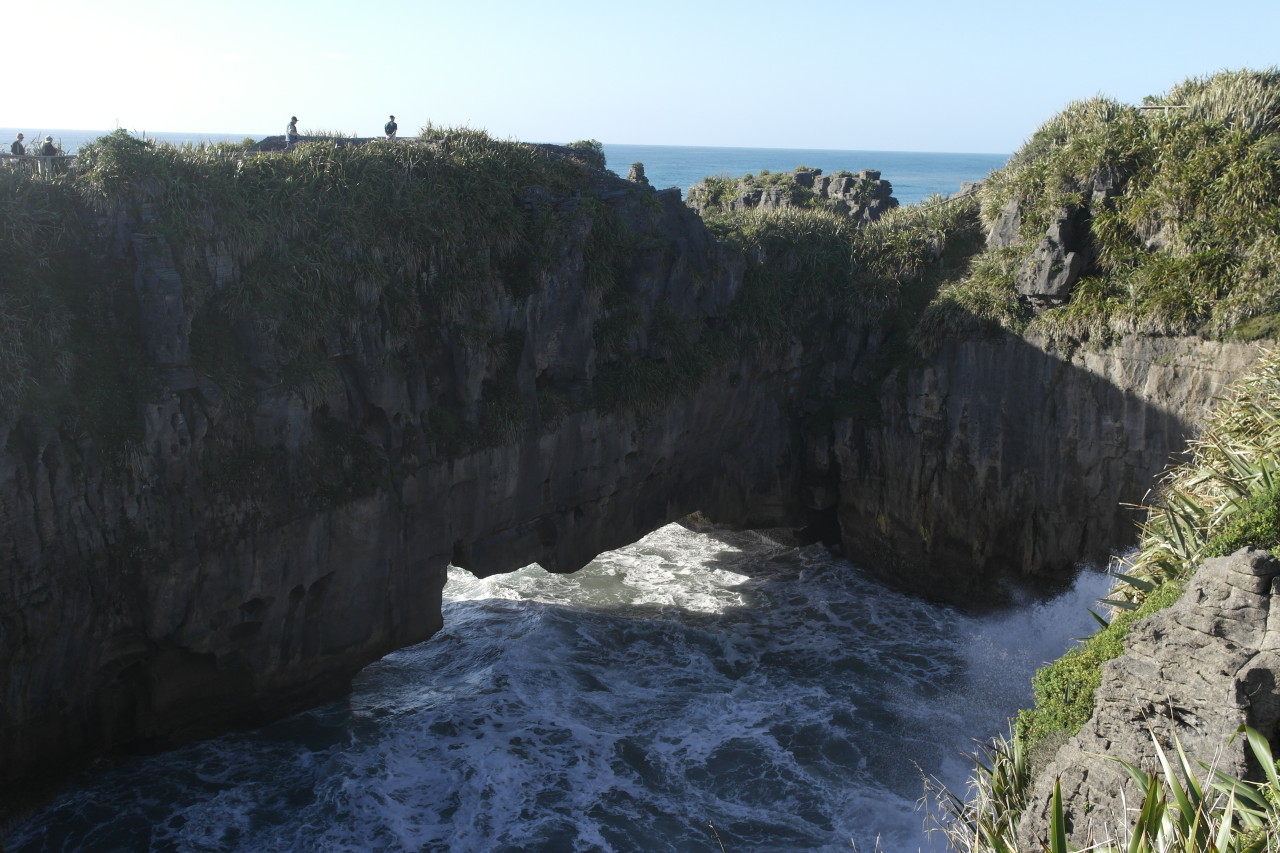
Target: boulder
column 1050, row 272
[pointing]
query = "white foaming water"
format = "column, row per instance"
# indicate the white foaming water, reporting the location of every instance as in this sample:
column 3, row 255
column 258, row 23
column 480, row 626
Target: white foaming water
column 778, row 694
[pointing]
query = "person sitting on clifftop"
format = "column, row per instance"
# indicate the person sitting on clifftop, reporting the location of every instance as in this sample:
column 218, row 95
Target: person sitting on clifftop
column 291, row 133
column 391, row 128
column 17, row 147
column 48, row 149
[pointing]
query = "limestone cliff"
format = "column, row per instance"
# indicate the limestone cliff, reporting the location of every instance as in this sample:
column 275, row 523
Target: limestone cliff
column 1005, row 456
column 544, row 384
column 269, row 535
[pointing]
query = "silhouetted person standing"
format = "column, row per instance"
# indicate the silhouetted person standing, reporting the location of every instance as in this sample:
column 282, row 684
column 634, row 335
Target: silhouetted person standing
column 48, row 149
column 291, row 133
column 17, row 147
column 391, row 128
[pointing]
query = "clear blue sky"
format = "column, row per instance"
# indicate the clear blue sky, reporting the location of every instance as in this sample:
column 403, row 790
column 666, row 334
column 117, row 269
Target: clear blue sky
column 889, row 75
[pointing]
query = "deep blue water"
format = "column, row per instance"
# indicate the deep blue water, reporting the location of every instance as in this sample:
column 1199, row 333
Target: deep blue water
column 914, row 175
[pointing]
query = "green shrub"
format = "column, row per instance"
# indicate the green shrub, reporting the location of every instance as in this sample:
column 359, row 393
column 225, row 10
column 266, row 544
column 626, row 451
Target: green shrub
column 591, row 150
column 1256, row 523
column 1180, row 211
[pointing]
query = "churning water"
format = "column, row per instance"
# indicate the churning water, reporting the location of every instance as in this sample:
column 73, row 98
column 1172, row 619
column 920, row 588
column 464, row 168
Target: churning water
column 686, row 692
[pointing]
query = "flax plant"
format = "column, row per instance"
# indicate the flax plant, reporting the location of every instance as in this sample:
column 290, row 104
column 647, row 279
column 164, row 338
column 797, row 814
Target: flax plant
column 985, row 819
column 1185, row 809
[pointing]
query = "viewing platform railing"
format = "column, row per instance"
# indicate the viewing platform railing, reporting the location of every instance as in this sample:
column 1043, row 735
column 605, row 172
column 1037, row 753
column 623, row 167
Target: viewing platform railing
column 48, row 165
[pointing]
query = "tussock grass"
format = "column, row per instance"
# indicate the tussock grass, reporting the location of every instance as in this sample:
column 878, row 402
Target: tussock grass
column 1181, row 209
column 1224, row 496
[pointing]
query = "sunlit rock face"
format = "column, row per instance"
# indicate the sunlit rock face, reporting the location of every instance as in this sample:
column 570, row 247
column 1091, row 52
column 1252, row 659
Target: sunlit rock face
column 1190, row 676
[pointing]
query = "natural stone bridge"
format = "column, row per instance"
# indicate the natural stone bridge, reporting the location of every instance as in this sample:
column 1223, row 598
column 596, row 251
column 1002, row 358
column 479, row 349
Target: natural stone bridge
column 186, row 585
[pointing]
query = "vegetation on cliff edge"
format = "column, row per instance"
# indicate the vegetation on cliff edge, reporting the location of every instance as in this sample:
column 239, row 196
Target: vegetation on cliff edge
column 1177, row 206
column 1225, row 497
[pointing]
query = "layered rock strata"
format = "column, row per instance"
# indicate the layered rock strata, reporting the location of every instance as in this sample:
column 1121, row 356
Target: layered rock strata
column 260, row 544
column 1006, row 457
column 262, row 541
column 1190, row 676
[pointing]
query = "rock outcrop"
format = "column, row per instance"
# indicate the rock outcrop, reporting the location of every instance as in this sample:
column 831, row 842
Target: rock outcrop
column 1191, row 674
column 863, row 196
column 1007, row 457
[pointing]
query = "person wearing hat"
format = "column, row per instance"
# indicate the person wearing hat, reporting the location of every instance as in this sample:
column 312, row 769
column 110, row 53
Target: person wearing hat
column 391, row 128
column 48, row 149
column 291, row 133
column 17, row 147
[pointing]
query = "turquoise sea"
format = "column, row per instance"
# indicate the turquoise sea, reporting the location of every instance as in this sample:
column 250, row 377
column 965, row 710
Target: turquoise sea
column 915, row 175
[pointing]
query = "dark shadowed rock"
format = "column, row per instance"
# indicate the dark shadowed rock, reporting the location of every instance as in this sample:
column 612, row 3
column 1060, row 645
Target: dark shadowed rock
column 1002, row 457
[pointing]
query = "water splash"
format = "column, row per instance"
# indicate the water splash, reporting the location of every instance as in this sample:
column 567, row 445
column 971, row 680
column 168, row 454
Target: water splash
column 779, row 694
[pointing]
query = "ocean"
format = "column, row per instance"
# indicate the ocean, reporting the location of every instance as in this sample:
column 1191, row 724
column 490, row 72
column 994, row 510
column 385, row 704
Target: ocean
column 915, row 176
column 685, row 692
column 690, row 692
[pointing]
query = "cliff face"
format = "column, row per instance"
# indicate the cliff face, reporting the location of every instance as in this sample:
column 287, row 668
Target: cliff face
column 264, row 541
column 1004, row 457
column 282, row 521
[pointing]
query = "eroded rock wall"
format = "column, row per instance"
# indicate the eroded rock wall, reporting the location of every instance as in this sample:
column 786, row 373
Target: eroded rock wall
column 269, row 535
column 1003, row 457
column 262, row 543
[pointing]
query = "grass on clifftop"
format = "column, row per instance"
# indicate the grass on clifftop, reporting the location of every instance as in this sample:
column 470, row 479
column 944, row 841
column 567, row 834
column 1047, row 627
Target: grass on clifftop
column 295, row 246
column 1180, row 206
column 811, row 262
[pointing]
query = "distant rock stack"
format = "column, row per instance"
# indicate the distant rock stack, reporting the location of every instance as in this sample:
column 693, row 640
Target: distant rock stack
column 863, row 195
column 636, row 175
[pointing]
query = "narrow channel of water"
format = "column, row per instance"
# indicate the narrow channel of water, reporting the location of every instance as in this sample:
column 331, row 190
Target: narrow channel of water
column 685, row 692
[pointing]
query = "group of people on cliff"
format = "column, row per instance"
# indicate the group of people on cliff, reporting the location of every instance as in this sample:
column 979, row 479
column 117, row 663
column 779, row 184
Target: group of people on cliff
column 18, row 149
column 291, row 136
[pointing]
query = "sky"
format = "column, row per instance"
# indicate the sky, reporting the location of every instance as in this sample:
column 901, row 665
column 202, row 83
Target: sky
column 885, row 76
